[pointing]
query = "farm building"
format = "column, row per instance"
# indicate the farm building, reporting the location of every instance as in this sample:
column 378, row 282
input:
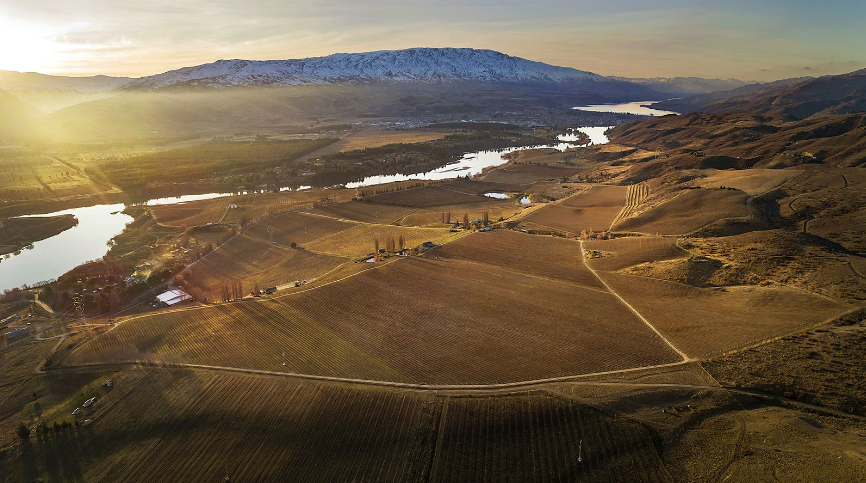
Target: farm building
column 173, row 297
column 17, row 332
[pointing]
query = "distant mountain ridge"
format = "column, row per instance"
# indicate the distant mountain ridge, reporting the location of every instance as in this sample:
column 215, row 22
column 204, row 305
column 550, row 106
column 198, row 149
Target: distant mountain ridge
column 427, row 65
column 798, row 98
column 686, row 85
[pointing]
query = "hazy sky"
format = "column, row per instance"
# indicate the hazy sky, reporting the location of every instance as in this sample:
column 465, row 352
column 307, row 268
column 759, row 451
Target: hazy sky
column 757, row 39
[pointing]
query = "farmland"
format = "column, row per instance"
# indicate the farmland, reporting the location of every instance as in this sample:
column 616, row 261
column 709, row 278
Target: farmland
column 360, row 240
column 427, row 196
column 26, row 175
column 256, row 262
column 621, row 253
column 299, row 228
column 690, row 210
column 541, row 438
column 475, row 211
column 363, row 212
column 703, row 322
column 204, row 161
column 361, row 328
column 592, row 210
column 544, row 256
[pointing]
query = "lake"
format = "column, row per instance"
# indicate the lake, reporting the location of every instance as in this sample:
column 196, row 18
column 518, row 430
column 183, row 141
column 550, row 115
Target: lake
column 640, row 108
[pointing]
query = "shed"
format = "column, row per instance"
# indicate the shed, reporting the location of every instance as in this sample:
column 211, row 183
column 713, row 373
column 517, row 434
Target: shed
column 172, row 297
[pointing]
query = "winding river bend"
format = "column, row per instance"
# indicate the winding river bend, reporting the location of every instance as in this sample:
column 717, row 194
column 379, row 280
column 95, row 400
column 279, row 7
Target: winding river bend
column 52, row 257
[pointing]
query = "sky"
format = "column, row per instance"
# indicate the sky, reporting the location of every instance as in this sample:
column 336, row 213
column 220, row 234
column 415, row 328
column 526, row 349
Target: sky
column 749, row 40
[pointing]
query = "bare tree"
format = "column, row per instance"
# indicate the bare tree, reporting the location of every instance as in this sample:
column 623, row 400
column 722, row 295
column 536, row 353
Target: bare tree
column 376, row 245
column 402, row 243
column 466, row 220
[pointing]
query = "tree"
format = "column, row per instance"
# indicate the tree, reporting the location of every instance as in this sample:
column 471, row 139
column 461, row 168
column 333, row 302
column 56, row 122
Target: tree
column 376, row 244
column 485, row 218
column 402, row 243
column 466, row 220
column 23, row 432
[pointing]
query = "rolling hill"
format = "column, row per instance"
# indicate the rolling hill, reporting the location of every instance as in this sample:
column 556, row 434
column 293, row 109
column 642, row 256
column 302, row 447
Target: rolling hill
column 798, row 98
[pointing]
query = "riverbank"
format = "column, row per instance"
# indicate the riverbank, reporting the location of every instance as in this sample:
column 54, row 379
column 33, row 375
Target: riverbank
column 18, row 233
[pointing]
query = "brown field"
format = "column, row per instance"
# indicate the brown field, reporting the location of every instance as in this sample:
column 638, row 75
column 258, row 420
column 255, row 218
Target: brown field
column 590, row 210
column 753, row 181
column 538, row 438
column 687, row 212
column 376, row 138
column 414, row 320
column 359, row 240
column 625, row 252
column 299, row 228
column 544, row 256
column 703, row 322
column 254, row 261
column 495, row 210
column 364, row 212
column 527, row 173
column 427, row 196
column 191, row 214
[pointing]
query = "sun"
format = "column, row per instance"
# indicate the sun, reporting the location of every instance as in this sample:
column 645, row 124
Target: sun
column 25, row 47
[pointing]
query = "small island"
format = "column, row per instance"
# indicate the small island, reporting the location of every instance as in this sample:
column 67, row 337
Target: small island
column 17, row 233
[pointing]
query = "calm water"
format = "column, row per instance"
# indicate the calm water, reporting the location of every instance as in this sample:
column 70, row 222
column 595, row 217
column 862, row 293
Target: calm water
column 48, row 259
column 55, row 256
column 474, row 163
column 639, row 108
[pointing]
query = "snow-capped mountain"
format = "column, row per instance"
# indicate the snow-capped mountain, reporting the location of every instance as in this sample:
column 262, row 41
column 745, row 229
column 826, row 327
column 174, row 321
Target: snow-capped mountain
column 428, row 65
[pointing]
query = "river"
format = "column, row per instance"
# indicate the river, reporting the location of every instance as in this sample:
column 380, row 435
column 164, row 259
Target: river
column 52, row 257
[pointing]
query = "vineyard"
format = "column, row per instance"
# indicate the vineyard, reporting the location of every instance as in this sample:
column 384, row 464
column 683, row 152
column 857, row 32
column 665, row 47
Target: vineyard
column 592, row 210
column 687, row 212
column 625, row 252
column 363, row 212
column 360, row 240
column 266, row 429
column 634, row 197
column 192, row 213
column 415, row 320
column 475, row 211
column 522, row 174
column 252, row 262
column 538, row 437
column 544, row 256
column 703, row 322
column 427, row 196
column 296, row 228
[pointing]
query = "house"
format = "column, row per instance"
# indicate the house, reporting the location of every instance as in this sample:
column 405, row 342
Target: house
column 173, row 297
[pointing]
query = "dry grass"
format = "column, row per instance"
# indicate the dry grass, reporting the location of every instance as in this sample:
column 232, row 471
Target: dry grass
column 544, row 256
column 687, row 212
column 753, row 181
column 702, row 322
column 594, row 209
column 359, row 240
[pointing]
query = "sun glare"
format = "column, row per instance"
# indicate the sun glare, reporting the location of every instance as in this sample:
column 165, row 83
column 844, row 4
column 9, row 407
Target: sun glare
column 25, row 47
